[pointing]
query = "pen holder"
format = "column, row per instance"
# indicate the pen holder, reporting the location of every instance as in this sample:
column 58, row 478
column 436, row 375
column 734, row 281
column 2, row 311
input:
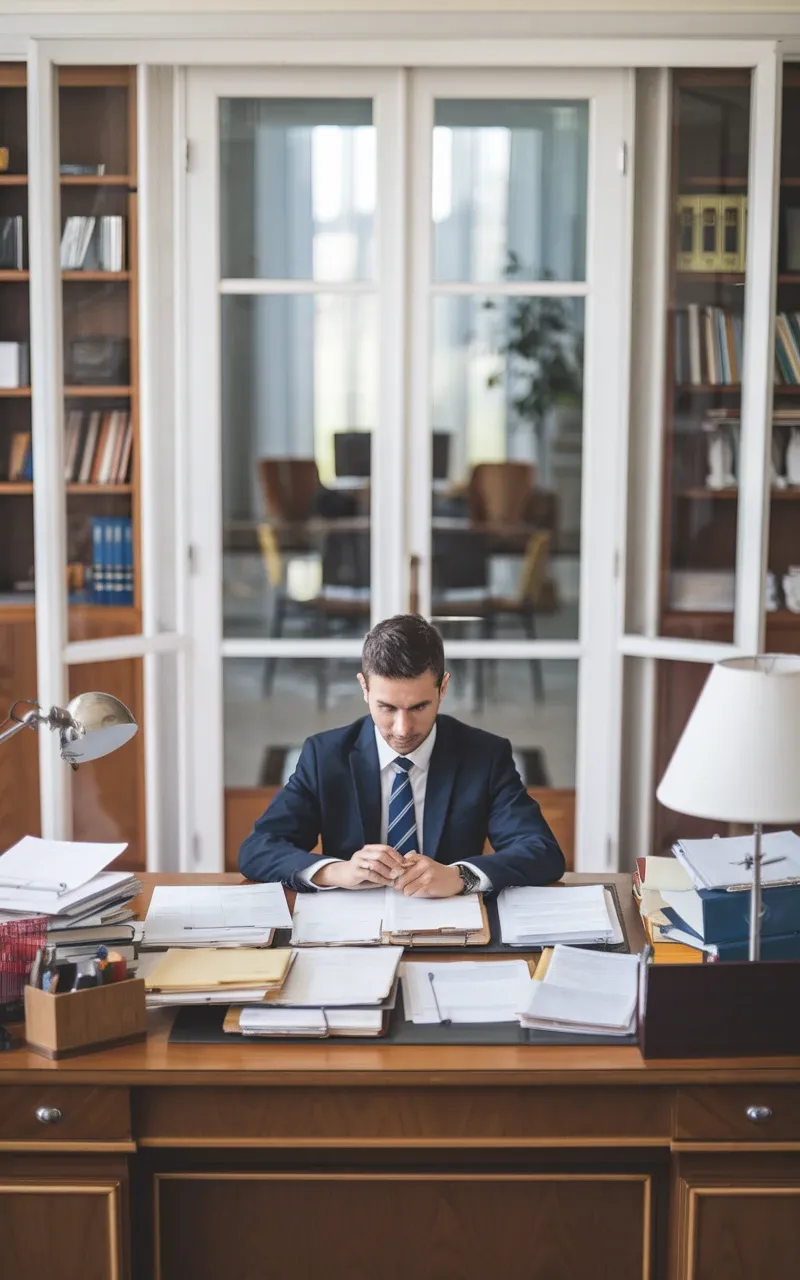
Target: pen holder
column 731, row 1009
column 80, row 1021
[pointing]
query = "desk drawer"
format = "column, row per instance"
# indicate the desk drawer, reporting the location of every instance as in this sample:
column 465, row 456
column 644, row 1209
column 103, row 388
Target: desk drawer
column 404, row 1116
column 61, row 1114
column 746, row 1113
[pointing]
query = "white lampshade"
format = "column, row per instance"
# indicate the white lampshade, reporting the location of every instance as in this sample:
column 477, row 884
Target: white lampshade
column 738, row 759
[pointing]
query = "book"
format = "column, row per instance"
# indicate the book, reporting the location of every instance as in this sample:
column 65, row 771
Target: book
column 12, row 245
column 719, row 915
column 687, row 238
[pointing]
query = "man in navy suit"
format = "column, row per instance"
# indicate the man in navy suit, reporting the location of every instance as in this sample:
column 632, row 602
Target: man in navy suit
column 404, row 797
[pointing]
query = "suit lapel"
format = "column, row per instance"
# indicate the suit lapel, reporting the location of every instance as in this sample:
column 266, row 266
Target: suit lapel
column 441, row 777
column 366, row 773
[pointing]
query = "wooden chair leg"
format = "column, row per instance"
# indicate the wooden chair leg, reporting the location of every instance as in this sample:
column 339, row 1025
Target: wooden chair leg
column 537, row 678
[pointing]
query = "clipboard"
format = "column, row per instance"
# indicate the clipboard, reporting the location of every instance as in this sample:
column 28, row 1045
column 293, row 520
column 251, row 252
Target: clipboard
column 449, row 938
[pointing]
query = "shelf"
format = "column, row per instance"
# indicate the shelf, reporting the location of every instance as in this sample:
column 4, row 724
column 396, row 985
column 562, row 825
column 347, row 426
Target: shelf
column 711, row 277
column 790, row 182
column 791, row 277
column 11, row 277
column 14, row 488
column 716, row 181
column 111, row 393
column 97, row 180
column 699, row 493
column 95, row 275
column 15, row 393
column 13, row 179
column 709, row 616
column 732, row 389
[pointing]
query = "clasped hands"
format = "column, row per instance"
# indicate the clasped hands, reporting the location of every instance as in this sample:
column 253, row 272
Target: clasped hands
column 378, row 864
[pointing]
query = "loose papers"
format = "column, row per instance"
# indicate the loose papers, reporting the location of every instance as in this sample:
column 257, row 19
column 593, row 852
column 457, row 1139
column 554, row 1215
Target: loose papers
column 465, row 990
column 45, row 876
column 215, row 915
column 343, row 917
column 265, row 1022
column 585, row 992
column 573, row 914
column 347, row 977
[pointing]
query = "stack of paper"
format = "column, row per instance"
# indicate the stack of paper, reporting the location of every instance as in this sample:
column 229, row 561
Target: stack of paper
column 588, row 992
column 465, row 990
column 305, row 1022
column 340, row 979
column 341, row 918
column 722, row 863
column 223, row 976
column 66, row 882
column 215, row 915
column 572, row 914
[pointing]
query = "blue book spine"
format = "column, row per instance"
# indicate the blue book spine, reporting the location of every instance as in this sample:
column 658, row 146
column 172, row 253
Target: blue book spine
column 726, row 916
column 97, row 560
column 108, row 561
column 128, row 560
column 117, row 553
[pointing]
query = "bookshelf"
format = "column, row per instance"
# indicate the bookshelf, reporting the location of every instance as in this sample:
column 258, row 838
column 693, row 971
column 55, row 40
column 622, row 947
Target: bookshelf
column 710, row 147
column 97, row 144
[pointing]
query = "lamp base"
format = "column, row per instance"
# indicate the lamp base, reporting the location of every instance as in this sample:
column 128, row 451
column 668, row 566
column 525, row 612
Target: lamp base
column 730, row 1009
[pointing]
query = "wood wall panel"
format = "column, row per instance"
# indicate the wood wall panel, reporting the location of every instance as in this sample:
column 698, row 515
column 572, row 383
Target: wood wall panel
column 19, row 758
column 244, row 804
column 412, row 1227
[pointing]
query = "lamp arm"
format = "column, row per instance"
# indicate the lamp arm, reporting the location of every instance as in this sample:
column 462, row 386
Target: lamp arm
column 33, row 718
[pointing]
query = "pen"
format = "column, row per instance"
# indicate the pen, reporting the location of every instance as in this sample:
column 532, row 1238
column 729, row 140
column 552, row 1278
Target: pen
column 445, row 1022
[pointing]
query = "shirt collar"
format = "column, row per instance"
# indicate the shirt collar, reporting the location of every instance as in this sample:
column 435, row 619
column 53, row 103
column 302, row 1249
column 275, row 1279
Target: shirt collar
column 421, row 757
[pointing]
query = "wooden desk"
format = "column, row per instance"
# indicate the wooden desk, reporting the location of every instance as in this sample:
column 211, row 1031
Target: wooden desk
column 441, row 1163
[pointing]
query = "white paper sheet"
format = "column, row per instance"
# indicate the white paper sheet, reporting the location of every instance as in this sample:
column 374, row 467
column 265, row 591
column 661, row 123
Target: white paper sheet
column 305, row 1022
column 566, row 913
column 340, row 977
column 461, row 914
column 38, row 873
column 466, row 990
column 215, row 915
column 585, row 991
column 339, row 916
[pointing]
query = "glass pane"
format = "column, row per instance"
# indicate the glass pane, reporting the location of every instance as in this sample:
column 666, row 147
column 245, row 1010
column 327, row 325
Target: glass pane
column 705, row 357
column 108, row 795
column 507, row 421
column 299, row 399
column 534, row 704
column 509, row 190
column 98, row 245
column 297, row 188
column 783, row 580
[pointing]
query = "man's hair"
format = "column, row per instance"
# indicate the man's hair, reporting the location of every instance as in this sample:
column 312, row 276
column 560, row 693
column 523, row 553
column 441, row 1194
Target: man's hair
column 402, row 648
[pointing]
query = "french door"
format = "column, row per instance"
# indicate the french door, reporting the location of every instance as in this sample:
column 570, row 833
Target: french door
column 406, row 305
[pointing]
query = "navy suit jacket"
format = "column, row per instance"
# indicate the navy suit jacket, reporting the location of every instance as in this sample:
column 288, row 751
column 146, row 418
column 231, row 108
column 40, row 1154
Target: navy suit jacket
column 473, row 791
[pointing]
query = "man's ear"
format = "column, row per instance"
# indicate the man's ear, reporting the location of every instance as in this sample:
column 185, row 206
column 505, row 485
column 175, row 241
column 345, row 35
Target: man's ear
column 444, row 684
column 363, row 684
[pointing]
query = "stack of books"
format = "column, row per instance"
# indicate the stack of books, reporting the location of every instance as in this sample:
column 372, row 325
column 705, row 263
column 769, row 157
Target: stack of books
column 68, row 884
column 93, row 244
column 98, row 446
column 709, row 910
column 112, row 560
column 652, row 877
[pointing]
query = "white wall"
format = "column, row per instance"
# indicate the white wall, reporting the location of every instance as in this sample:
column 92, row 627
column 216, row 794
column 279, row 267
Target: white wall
column 107, row 7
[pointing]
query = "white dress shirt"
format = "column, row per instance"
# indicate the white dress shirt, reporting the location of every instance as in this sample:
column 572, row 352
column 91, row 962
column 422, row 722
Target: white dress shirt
column 418, row 776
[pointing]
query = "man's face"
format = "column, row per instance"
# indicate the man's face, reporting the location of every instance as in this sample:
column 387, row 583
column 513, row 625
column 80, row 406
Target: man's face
column 404, row 710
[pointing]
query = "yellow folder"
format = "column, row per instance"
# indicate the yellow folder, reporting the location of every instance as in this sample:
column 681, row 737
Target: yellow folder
column 209, row 969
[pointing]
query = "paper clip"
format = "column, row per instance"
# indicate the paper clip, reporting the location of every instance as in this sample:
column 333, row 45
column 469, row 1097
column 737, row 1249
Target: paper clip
column 445, row 1022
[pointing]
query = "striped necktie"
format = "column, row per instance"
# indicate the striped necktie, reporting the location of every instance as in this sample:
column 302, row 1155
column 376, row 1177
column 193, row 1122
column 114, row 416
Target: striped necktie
column 401, row 833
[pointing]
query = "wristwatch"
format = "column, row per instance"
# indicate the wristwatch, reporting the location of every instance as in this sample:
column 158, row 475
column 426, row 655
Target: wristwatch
column 469, row 878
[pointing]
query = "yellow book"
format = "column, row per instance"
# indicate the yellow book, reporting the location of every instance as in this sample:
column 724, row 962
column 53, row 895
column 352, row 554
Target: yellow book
column 687, row 211
column 731, row 231
column 743, row 238
column 708, row 256
column 209, row 969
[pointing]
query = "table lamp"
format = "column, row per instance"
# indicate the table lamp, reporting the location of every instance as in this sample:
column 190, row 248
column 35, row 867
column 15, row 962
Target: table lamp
column 738, row 759
column 91, row 726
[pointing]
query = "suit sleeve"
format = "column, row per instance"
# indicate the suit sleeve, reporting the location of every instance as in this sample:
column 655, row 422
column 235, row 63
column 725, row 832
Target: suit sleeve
column 280, row 844
column 525, row 850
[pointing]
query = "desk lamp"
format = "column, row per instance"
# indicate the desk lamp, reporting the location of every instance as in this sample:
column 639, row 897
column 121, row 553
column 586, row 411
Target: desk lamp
column 738, row 759
column 92, row 725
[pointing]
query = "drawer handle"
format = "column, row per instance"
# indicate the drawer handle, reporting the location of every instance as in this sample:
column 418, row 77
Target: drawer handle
column 48, row 1115
column 759, row 1114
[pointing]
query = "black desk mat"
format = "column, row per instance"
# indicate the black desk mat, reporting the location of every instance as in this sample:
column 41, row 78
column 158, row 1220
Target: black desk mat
column 496, row 946
column 203, row 1025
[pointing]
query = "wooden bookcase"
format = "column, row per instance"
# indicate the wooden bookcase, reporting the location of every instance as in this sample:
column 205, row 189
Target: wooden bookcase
column 97, row 111
column 710, row 143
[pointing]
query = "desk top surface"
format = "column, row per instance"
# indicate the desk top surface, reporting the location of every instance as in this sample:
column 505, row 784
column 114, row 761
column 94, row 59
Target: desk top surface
column 156, row 1061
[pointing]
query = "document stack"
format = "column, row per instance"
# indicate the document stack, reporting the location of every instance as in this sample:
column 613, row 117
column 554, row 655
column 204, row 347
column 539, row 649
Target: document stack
column 231, row 975
column 375, row 916
column 66, row 882
column 650, row 879
column 215, row 916
column 465, row 991
column 583, row 992
column 348, row 991
column 576, row 915
column 712, row 913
